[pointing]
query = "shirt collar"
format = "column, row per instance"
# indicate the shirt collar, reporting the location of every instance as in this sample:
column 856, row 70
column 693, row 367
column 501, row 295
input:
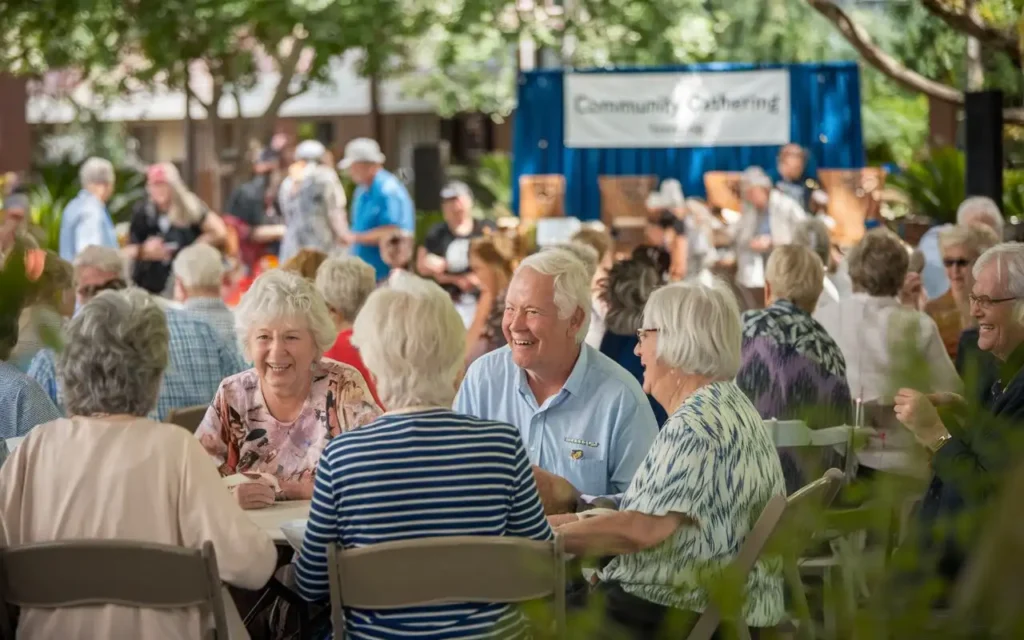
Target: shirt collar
column 205, row 304
column 573, row 384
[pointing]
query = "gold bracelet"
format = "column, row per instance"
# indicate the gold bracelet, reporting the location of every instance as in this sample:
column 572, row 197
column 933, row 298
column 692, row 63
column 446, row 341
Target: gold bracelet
column 941, row 442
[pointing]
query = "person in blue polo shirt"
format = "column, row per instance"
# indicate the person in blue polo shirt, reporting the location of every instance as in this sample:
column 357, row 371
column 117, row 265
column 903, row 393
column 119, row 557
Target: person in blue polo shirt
column 381, row 206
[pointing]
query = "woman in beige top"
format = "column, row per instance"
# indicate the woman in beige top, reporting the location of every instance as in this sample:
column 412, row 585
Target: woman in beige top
column 109, row 473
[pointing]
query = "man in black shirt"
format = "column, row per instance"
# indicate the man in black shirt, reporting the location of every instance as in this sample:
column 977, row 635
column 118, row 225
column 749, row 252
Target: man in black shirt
column 444, row 255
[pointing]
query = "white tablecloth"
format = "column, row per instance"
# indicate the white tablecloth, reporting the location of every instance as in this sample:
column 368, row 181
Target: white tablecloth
column 271, row 518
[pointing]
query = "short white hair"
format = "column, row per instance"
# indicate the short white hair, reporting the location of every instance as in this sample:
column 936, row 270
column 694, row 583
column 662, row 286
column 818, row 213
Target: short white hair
column 1009, row 259
column 699, row 328
column 345, row 283
column 278, row 294
column 199, row 266
column 572, row 283
column 96, row 171
column 981, row 205
column 103, row 259
column 413, row 341
column 584, row 252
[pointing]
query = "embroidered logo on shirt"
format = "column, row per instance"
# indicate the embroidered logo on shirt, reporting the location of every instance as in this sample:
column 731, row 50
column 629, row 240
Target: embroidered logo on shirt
column 585, row 443
column 577, row 454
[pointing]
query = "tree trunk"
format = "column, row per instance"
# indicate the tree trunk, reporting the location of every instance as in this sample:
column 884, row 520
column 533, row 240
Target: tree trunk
column 975, row 65
column 215, row 148
column 286, row 67
column 189, row 173
column 376, row 118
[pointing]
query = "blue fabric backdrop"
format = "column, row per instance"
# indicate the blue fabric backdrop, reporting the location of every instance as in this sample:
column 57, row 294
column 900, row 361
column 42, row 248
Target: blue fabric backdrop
column 825, row 102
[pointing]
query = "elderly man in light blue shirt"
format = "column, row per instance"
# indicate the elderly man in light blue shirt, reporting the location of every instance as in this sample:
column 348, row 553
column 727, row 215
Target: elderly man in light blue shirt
column 584, row 420
column 85, row 220
column 973, row 210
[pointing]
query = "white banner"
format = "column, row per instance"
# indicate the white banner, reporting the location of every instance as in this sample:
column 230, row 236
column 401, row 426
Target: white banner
column 705, row 109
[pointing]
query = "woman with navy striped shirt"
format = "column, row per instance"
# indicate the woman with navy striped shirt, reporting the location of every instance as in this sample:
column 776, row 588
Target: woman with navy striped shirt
column 420, row 470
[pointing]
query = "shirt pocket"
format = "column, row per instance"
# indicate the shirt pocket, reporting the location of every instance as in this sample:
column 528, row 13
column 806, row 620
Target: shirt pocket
column 588, row 475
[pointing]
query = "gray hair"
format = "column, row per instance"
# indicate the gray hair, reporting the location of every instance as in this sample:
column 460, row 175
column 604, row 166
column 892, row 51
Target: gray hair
column 976, row 239
column 584, row 252
column 346, row 283
column 116, row 354
column 96, row 171
column 981, row 205
column 412, row 340
column 199, row 266
column 1009, row 258
column 813, row 234
column 279, row 294
column 699, row 327
column 626, row 290
column 572, row 283
column 104, row 259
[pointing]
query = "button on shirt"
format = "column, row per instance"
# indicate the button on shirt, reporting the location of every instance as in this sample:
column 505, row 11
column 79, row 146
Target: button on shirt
column 85, row 222
column 384, row 203
column 594, row 432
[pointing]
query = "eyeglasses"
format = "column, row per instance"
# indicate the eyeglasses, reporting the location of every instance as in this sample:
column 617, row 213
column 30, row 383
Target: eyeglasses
column 985, row 302
column 92, row 290
column 642, row 333
column 956, row 262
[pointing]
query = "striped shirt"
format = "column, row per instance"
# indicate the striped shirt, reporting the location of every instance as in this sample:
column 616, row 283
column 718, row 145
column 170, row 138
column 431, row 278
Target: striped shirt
column 421, row 474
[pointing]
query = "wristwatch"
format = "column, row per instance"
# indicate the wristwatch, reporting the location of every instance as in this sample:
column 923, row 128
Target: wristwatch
column 941, row 442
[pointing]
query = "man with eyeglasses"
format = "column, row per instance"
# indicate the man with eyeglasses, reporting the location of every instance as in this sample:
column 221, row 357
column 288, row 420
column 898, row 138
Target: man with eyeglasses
column 974, row 444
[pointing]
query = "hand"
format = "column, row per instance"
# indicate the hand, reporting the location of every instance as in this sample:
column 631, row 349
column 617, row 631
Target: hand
column 912, row 293
column 944, row 398
column 296, row 490
column 918, row 414
column 254, row 495
column 347, row 238
column 761, row 244
column 155, row 250
column 465, row 283
column 561, row 519
column 556, row 493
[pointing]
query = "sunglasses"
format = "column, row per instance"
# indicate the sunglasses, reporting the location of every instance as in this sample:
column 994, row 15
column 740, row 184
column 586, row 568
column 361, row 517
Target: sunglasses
column 92, row 290
column 956, row 262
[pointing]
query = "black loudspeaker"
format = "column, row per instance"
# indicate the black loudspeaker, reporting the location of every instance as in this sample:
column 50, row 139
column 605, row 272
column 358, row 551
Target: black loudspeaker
column 429, row 166
column 984, row 142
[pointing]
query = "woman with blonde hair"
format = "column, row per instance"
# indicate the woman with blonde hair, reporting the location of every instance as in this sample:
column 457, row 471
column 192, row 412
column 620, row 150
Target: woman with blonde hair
column 960, row 247
column 168, row 220
column 493, row 270
column 306, row 263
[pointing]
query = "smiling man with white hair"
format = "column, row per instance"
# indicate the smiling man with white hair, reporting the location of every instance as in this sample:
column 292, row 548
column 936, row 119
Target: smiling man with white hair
column 198, row 276
column 584, row 419
column 85, row 220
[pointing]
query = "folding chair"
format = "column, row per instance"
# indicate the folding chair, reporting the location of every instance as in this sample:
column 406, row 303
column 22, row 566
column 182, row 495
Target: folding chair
column 189, row 417
column 82, row 573
column 412, row 573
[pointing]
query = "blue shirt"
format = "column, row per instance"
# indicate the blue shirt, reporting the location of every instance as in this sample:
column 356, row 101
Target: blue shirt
column 421, row 474
column 199, row 360
column 85, row 222
column 933, row 278
column 385, row 203
column 25, row 404
column 594, row 433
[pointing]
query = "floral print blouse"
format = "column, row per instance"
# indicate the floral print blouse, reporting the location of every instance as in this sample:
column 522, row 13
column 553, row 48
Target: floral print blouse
column 241, row 435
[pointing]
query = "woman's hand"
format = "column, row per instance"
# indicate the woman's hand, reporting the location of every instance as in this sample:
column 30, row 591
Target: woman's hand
column 561, row 519
column 916, row 412
column 912, row 294
column 296, row 490
column 257, row 494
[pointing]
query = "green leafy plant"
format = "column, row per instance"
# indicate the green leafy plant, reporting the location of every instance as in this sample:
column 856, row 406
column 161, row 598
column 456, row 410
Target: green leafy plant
column 46, row 213
column 1013, row 193
column 934, row 185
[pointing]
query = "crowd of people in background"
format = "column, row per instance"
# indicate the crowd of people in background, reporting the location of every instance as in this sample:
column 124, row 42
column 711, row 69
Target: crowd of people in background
column 488, row 389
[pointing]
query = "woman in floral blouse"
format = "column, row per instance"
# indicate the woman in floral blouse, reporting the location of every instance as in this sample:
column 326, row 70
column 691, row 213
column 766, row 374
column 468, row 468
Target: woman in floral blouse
column 277, row 417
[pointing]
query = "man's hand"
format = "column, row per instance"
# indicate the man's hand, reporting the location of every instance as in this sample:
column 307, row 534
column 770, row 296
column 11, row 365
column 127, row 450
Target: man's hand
column 556, row 493
column 348, row 238
column 254, row 495
column 561, row 519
